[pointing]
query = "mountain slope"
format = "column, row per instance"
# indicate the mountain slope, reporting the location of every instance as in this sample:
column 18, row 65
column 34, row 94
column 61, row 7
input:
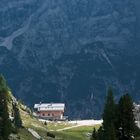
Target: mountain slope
column 70, row 51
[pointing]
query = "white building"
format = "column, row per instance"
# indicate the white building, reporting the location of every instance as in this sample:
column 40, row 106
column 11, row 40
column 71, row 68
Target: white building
column 52, row 111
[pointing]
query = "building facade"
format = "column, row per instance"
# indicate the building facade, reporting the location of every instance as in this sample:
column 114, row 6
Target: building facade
column 50, row 111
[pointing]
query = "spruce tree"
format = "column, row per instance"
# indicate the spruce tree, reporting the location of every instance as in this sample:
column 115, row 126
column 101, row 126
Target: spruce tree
column 3, row 85
column 109, row 117
column 101, row 133
column 94, row 135
column 17, row 119
column 126, row 121
column 5, row 123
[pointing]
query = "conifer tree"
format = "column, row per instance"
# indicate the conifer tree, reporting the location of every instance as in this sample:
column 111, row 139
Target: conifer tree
column 17, row 118
column 5, row 123
column 126, row 121
column 94, row 135
column 101, row 133
column 109, row 117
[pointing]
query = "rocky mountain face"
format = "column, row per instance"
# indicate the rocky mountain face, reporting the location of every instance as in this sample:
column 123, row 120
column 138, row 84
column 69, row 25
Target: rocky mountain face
column 70, row 51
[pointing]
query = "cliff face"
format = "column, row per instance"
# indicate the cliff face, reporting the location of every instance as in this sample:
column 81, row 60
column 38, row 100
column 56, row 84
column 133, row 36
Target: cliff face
column 70, row 51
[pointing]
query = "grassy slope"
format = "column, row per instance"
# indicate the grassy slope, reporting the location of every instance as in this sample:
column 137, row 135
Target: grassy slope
column 25, row 135
column 28, row 121
column 79, row 133
column 31, row 122
column 71, row 134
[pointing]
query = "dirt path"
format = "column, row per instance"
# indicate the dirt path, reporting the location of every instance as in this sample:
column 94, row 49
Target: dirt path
column 67, row 128
column 81, row 123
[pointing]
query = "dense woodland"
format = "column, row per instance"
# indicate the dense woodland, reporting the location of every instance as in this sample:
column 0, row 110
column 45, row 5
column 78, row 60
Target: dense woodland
column 118, row 120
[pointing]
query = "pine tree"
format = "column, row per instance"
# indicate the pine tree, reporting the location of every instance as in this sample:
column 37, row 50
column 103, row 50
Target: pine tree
column 3, row 85
column 101, row 133
column 17, row 118
column 109, row 117
column 5, row 123
column 126, row 121
column 94, row 135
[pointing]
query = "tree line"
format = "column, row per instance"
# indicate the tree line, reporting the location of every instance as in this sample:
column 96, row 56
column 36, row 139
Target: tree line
column 7, row 124
column 118, row 120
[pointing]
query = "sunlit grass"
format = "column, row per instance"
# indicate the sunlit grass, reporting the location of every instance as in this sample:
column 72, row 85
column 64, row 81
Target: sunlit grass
column 53, row 126
column 79, row 133
column 25, row 135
